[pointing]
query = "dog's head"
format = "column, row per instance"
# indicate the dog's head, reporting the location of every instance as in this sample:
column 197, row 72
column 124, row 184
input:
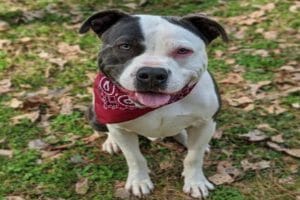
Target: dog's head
column 153, row 57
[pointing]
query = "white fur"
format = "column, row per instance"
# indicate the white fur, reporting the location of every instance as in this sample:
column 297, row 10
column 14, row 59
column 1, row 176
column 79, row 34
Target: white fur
column 192, row 113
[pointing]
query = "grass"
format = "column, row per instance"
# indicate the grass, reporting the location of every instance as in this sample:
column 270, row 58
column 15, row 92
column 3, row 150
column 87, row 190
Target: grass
column 32, row 175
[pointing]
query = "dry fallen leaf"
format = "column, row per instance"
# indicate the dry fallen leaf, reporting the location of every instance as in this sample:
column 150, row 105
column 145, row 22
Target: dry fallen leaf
column 275, row 109
column 69, row 51
column 32, row 116
column 6, row 152
column 254, row 88
column 15, row 103
column 66, row 105
column 122, row 193
column 51, row 154
column 93, row 137
column 291, row 152
column 239, row 101
column 266, row 127
column 4, row 43
column 277, row 138
column 246, row 165
column 5, row 85
column 4, row 26
column 219, row 179
column 232, row 78
column 37, row 144
column 286, row 180
column 225, row 167
column 14, row 198
column 82, row 186
column 166, row 165
column 270, row 35
column 218, row 134
column 255, row 136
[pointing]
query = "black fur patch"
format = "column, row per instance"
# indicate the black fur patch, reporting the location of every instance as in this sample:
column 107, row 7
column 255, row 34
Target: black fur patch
column 112, row 58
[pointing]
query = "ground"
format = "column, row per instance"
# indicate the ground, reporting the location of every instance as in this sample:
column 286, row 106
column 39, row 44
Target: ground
column 48, row 150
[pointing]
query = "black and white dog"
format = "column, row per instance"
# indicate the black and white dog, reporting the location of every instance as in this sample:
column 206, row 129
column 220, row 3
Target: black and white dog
column 154, row 82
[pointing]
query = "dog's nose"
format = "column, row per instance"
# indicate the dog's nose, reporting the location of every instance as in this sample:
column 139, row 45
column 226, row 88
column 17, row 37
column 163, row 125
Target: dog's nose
column 152, row 76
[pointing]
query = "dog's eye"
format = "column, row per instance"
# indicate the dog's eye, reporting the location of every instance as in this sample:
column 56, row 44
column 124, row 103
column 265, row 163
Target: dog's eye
column 125, row 46
column 183, row 51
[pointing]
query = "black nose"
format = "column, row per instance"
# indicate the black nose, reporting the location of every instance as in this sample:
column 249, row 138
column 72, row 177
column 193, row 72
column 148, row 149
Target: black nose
column 152, row 77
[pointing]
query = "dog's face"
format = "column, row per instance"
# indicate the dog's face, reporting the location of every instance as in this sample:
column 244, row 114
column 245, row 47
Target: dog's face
column 152, row 57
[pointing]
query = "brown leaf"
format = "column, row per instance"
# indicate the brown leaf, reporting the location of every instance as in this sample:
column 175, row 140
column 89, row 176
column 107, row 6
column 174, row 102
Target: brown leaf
column 261, row 52
column 82, row 186
column 66, row 105
column 93, row 137
column 4, row 43
column 225, row 167
column 32, row 116
column 6, row 152
column 25, row 40
column 69, row 51
column 131, row 5
column 295, row 8
column 249, row 107
column 220, row 179
column 218, row 134
column 239, row 101
column 15, row 103
column 277, row 138
column 165, row 165
column 51, row 154
column 255, row 136
column 5, row 85
column 37, row 144
column 232, row 78
column 255, row 87
column 287, row 180
column 275, row 109
column 266, row 127
column 270, row 35
column 296, row 105
column 14, row 198
column 293, row 152
column 122, row 193
column 4, row 26
column 246, row 165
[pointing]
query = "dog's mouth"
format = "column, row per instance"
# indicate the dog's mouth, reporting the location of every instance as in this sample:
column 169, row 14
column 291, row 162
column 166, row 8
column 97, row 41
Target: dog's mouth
column 151, row 99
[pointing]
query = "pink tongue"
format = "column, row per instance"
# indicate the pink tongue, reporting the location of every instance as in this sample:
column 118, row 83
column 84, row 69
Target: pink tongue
column 152, row 100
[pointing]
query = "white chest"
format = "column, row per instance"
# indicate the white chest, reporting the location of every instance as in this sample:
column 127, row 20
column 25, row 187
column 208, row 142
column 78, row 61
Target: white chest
column 199, row 105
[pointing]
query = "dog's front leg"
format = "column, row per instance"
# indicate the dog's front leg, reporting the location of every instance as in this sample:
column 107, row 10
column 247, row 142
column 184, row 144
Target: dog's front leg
column 138, row 180
column 195, row 183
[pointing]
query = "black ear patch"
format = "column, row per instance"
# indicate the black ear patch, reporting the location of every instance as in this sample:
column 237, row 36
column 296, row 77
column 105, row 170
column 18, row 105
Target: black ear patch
column 208, row 28
column 101, row 21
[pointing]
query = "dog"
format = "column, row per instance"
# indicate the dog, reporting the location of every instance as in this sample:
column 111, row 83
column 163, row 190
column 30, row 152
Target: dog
column 154, row 82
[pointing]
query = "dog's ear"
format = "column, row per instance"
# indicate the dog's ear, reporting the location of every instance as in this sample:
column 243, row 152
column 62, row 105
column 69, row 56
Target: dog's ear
column 101, row 21
column 209, row 28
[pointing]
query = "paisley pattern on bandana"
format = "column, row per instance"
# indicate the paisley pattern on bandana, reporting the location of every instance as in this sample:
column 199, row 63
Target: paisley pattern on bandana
column 113, row 105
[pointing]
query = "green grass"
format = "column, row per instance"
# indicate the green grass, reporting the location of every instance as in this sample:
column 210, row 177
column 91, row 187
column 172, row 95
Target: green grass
column 32, row 176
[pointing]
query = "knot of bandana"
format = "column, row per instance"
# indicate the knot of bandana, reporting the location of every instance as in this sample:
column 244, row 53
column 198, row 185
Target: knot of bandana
column 113, row 105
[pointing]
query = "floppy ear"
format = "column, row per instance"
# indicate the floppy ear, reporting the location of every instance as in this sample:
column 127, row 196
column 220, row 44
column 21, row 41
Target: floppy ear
column 209, row 28
column 101, row 21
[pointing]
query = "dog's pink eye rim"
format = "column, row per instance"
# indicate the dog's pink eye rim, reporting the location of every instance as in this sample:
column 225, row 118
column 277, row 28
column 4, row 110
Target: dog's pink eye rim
column 181, row 52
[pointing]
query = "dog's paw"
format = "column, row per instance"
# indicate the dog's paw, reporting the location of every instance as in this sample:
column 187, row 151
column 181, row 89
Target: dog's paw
column 139, row 185
column 110, row 146
column 197, row 188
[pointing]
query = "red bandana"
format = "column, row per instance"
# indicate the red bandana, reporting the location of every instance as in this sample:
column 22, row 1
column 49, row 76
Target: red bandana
column 113, row 105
